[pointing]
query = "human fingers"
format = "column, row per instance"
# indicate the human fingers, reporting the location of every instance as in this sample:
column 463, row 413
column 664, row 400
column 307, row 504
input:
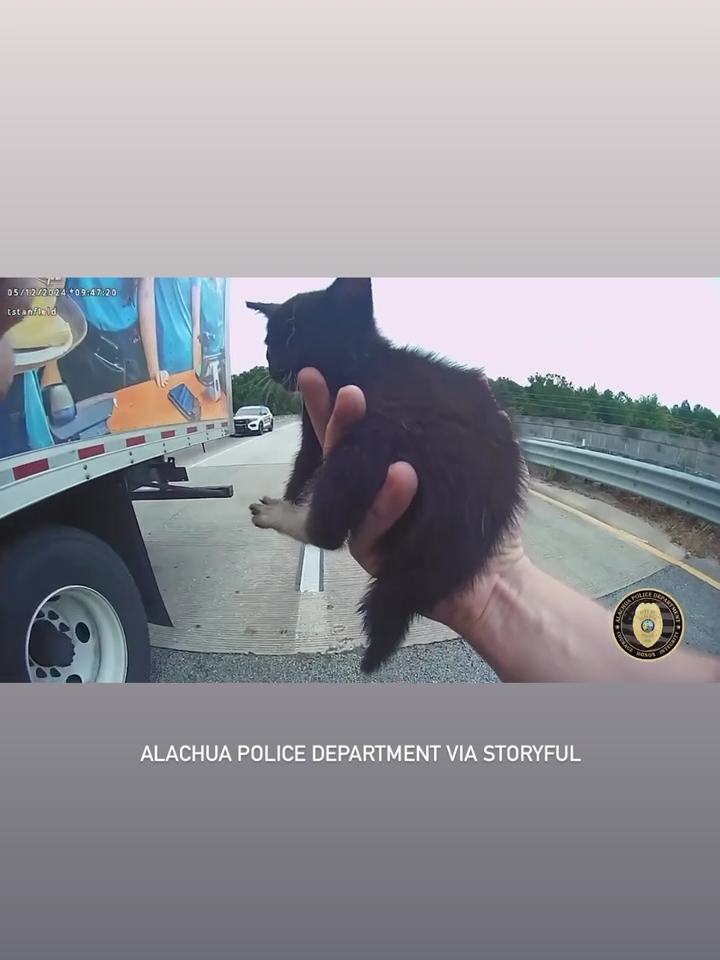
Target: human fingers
column 389, row 506
column 329, row 422
column 349, row 407
column 316, row 398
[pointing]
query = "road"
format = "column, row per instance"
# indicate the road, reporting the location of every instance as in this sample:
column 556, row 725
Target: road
column 232, row 590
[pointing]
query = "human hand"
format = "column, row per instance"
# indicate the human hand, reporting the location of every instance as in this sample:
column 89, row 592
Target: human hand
column 9, row 303
column 461, row 613
column 7, row 366
column 14, row 296
column 160, row 377
column 330, row 424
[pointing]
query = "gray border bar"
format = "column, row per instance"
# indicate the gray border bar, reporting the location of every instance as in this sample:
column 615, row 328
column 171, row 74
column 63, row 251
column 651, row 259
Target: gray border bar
column 107, row 856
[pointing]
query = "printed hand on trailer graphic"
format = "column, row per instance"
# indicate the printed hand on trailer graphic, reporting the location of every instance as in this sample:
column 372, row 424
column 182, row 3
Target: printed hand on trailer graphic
column 7, row 367
column 10, row 302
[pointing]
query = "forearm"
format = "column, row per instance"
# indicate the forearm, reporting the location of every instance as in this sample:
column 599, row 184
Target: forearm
column 147, row 323
column 535, row 629
column 196, row 306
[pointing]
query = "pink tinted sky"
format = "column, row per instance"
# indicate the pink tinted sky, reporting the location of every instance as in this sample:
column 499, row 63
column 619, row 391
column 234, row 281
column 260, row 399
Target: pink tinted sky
column 638, row 335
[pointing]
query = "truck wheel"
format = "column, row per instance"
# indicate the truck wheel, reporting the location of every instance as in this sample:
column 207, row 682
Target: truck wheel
column 70, row 612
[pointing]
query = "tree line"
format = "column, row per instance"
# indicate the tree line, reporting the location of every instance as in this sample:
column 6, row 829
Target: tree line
column 544, row 395
column 255, row 387
column 552, row 395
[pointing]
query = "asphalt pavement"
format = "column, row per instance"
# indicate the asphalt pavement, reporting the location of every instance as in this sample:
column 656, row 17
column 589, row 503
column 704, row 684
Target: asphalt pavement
column 232, row 590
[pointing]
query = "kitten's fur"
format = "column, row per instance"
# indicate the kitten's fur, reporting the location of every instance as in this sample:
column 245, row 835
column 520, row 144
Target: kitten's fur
column 439, row 417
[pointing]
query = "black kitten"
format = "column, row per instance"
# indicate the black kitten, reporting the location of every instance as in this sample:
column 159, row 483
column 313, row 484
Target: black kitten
column 439, row 417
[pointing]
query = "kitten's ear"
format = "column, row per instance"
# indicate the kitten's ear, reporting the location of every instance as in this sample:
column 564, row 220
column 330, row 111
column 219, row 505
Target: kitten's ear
column 355, row 290
column 266, row 309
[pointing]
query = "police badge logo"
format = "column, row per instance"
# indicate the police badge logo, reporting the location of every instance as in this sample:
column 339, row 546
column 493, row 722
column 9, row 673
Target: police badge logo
column 648, row 624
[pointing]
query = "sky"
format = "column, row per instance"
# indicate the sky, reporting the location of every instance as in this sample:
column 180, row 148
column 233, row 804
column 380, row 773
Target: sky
column 643, row 336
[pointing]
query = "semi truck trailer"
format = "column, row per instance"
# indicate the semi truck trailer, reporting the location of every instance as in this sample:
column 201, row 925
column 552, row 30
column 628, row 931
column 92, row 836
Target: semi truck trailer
column 111, row 378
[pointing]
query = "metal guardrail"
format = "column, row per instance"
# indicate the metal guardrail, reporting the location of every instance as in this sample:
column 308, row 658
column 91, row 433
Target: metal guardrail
column 673, row 488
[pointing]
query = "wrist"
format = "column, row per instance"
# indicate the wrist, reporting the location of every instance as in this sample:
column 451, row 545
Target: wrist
column 516, row 631
column 478, row 614
column 533, row 628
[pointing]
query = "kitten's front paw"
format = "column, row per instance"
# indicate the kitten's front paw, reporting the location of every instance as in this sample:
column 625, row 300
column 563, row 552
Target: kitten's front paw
column 267, row 514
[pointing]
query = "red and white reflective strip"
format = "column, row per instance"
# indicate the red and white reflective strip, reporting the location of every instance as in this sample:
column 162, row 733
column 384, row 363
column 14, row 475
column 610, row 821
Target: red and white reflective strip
column 50, row 458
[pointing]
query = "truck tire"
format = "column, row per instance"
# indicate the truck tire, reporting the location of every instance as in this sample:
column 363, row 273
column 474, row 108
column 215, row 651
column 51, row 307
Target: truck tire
column 70, row 611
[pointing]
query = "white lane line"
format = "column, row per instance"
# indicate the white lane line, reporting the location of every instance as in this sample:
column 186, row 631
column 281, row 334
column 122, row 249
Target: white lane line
column 240, row 442
column 311, row 570
column 312, row 629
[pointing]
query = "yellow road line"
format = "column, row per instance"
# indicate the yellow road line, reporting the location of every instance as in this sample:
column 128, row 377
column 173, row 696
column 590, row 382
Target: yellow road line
column 630, row 538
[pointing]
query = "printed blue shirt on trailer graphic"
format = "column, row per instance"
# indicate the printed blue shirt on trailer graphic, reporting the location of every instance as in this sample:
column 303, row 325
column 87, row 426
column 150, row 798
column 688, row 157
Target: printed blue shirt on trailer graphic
column 36, row 421
column 23, row 421
column 173, row 308
column 212, row 313
column 109, row 313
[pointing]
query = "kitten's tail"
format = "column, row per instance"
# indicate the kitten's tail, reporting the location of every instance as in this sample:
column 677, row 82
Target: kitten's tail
column 387, row 613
